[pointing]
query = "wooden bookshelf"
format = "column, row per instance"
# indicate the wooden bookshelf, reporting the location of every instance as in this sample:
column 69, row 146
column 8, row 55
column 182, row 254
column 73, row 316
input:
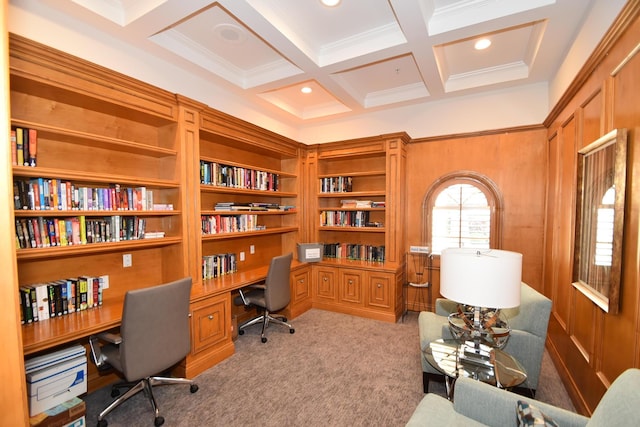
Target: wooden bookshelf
column 97, row 128
column 374, row 170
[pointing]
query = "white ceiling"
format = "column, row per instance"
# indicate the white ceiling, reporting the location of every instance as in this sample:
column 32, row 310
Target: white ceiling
column 361, row 56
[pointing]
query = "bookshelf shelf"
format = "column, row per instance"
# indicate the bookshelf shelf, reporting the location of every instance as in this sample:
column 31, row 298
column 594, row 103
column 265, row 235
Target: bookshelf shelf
column 351, row 229
column 352, row 209
column 94, row 248
column 94, row 140
column 235, row 235
column 355, row 174
column 352, row 194
column 240, row 191
column 246, row 212
column 280, row 172
column 89, row 176
column 94, row 213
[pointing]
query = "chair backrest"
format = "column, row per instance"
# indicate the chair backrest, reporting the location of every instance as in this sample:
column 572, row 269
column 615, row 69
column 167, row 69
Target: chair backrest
column 533, row 313
column 277, row 293
column 619, row 405
column 155, row 329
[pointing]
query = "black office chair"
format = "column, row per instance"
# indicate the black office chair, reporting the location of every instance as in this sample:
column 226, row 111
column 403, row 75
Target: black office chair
column 271, row 297
column 154, row 336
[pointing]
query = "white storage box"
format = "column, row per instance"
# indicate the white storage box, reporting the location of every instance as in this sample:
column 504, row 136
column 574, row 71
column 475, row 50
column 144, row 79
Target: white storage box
column 55, row 378
column 310, row 252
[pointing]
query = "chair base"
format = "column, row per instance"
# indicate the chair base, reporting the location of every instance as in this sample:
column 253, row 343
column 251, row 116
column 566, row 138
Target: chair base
column 265, row 319
column 146, row 385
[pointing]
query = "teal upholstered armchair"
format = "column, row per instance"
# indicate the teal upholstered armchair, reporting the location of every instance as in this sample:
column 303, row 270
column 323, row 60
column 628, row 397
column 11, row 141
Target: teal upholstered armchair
column 479, row 404
column 526, row 343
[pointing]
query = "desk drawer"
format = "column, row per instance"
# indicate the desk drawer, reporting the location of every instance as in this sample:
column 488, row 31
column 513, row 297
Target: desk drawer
column 210, row 322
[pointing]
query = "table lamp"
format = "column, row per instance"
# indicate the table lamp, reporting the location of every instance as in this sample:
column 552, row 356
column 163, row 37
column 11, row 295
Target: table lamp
column 487, row 280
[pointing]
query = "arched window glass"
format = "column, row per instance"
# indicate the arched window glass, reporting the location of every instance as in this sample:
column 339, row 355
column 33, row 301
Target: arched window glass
column 461, row 210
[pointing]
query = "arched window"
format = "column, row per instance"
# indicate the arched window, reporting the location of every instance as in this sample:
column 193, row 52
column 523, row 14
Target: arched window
column 462, row 210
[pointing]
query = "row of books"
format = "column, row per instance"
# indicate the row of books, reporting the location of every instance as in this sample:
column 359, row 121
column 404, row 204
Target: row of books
column 212, row 173
column 47, row 232
column 57, row 194
column 336, row 184
column 24, row 146
column 60, row 297
column 254, row 206
column 347, row 219
column 354, row 251
column 361, row 204
column 217, row 224
column 218, row 265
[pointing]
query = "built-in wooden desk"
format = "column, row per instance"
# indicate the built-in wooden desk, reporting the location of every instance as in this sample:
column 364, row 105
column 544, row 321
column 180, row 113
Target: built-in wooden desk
column 76, row 327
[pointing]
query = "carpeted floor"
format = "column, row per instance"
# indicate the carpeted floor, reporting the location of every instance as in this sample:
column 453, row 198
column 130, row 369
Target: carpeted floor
column 336, row 370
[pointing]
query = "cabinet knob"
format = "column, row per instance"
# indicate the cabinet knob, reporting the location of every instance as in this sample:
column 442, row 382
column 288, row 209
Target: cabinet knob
column 211, row 317
column 379, row 285
column 324, row 278
column 350, row 282
column 301, row 280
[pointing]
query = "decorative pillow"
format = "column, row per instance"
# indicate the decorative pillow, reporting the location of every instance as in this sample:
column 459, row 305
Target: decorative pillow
column 529, row 415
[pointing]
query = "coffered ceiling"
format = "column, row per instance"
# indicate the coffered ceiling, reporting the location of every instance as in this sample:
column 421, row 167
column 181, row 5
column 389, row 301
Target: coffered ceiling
column 359, row 56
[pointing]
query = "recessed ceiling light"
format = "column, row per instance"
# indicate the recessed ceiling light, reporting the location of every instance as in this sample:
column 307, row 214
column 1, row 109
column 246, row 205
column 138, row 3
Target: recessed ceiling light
column 482, row 44
column 330, row 3
column 306, row 89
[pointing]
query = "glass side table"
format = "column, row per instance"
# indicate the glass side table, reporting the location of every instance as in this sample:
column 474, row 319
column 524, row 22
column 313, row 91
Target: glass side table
column 487, row 364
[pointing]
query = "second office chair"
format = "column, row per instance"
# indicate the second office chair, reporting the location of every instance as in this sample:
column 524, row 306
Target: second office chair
column 271, row 297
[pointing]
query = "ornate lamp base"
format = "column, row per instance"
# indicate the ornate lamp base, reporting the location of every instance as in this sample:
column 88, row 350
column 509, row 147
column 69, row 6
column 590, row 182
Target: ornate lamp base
column 480, row 326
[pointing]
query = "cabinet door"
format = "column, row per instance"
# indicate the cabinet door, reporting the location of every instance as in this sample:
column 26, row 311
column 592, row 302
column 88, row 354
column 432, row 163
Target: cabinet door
column 325, row 284
column 300, row 286
column 379, row 289
column 351, row 286
column 210, row 322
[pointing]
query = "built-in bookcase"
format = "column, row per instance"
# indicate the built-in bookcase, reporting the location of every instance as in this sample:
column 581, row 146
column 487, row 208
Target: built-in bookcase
column 99, row 131
column 249, row 179
column 359, row 199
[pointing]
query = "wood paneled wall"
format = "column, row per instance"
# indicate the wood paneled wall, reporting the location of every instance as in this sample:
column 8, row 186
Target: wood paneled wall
column 591, row 347
column 515, row 160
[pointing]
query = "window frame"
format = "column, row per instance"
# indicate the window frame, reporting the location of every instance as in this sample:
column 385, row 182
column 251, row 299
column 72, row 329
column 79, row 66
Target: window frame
column 482, row 183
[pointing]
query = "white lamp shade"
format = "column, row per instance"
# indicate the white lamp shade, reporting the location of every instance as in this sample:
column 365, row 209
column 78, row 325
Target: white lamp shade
column 481, row 277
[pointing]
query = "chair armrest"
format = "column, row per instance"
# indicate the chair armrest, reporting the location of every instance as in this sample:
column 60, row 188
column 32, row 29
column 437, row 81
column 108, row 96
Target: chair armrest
column 110, row 337
column 496, row 407
column 444, row 307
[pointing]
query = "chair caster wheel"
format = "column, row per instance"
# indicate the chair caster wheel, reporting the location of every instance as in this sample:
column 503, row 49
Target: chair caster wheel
column 291, row 330
column 241, row 332
column 284, row 319
column 158, row 421
column 115, row 392
column 193, row 388
column 102, row 423
column 263, row 339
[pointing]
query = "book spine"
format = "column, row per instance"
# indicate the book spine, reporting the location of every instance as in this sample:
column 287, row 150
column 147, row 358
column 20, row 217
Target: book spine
column 42, row 301
column 33, row 147
column 25, row 147
column 20, row 146
column 51, row 299
column 14, row 148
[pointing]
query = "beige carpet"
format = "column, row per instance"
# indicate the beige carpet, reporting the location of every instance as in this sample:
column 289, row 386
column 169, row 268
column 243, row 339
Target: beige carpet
column 336, row 370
